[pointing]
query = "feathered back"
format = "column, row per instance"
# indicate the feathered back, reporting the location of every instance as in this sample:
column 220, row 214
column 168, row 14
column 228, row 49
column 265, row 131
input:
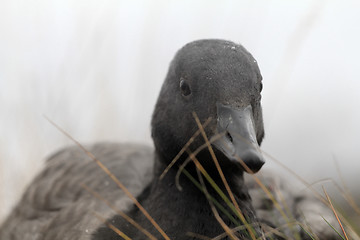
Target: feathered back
column 56, row 206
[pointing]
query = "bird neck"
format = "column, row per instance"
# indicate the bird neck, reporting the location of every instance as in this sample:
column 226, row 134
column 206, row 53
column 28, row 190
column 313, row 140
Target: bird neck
column 190, row 206
column 198, row 182
column 179, row 213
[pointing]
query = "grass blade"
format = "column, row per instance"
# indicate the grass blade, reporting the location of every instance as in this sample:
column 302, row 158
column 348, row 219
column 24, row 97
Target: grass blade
column 212, row 153
column 334, row 211
column 121, row 213
column 112, row 227
column 114, row 178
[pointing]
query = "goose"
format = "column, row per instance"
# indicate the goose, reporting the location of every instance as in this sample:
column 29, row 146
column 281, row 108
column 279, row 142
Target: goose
column 208, row 116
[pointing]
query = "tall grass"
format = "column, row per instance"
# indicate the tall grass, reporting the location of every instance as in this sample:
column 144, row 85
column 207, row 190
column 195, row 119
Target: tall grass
column 348, row 231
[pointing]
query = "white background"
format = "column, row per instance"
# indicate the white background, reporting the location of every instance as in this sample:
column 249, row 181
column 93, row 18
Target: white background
column 96, row 67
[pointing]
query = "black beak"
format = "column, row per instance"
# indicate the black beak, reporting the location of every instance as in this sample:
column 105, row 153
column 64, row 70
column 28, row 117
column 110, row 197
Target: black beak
column 239, row 141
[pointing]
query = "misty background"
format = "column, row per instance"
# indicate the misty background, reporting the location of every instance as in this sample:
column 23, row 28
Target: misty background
column 95, row 68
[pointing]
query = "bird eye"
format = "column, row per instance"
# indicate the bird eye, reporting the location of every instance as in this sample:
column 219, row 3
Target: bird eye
column 185, row 88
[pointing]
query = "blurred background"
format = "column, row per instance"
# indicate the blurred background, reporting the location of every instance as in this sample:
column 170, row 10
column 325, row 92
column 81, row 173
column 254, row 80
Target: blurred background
column 96, row 67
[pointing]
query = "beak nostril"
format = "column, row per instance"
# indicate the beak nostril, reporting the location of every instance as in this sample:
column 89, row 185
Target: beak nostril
column 228, row 136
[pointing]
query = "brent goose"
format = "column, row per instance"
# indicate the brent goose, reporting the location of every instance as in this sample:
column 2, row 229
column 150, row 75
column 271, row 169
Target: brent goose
column 211, row 96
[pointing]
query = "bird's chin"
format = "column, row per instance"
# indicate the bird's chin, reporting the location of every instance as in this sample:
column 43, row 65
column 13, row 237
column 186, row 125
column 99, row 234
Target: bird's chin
column 228, row 166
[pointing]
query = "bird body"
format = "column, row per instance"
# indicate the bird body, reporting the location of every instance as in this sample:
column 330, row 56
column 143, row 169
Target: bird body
column 56, row 206
column 210, row 96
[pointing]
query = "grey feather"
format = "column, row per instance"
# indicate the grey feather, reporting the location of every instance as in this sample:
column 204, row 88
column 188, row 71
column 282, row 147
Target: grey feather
column 56, row 207
column 300, row 207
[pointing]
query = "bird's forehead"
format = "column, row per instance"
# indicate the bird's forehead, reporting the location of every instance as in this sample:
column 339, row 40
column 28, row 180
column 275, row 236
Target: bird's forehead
column 213, row 55
column 216, row 61
column 218, row 70
column 221, row 72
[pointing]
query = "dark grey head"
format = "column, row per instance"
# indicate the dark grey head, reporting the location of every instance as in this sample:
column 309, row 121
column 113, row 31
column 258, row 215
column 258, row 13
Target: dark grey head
column 217, row 79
